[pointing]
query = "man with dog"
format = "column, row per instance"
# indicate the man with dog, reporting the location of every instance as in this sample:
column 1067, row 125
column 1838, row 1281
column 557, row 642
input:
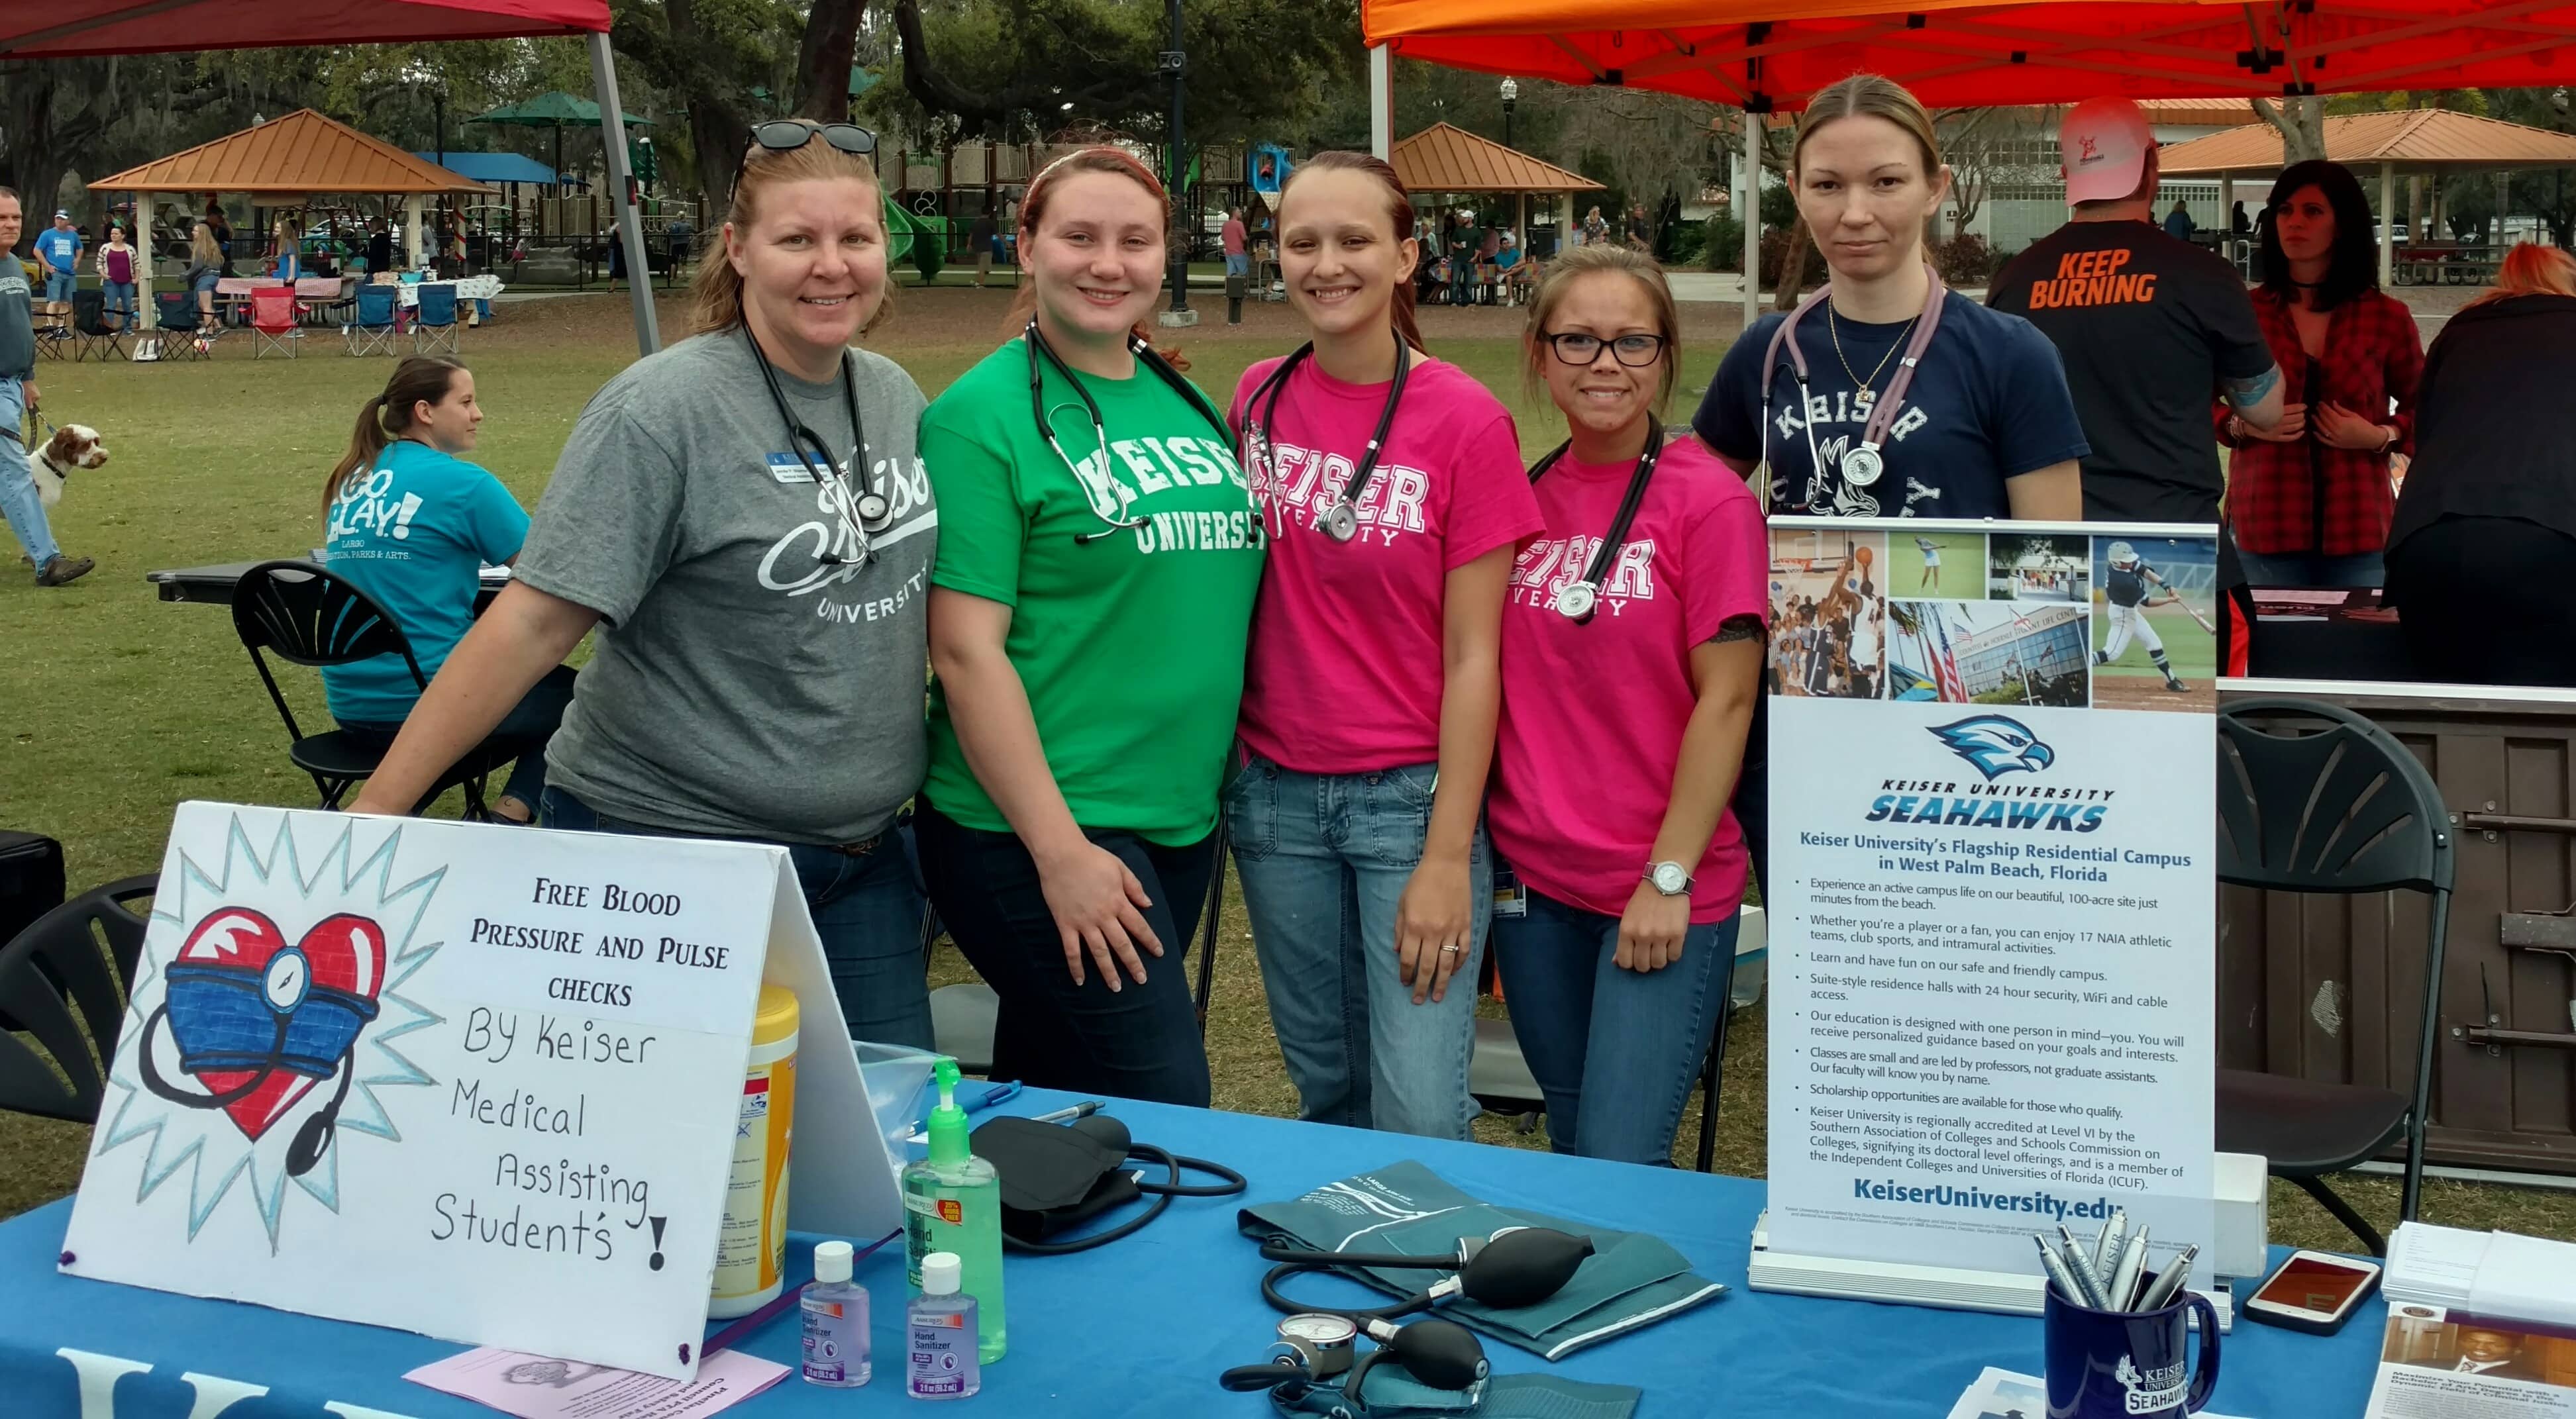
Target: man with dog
column 19, row 503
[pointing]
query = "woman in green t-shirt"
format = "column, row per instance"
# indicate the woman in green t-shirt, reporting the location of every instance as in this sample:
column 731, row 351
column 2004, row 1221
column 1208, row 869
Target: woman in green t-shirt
column 1098, row 556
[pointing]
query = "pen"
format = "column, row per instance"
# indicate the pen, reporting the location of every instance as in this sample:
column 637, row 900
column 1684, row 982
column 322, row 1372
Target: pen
column 2115, row 1232
column 2170, row 1281
column 1085, row 1109
column 2133, row 1264
column 2086, row 1278
column 2055, row 1266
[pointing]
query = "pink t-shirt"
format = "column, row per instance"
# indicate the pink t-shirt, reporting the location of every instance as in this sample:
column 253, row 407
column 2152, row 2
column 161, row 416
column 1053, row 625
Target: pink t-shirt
column 1593, row 714
column 1232, row 236
column 1344, row 674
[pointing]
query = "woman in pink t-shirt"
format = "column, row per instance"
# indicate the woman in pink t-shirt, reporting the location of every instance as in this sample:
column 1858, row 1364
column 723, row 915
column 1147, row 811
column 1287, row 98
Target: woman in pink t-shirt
column 1392, row 490
column 1632, row 655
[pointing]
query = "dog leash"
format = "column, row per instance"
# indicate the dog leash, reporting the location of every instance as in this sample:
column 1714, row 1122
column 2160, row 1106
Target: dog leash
column 42, row 423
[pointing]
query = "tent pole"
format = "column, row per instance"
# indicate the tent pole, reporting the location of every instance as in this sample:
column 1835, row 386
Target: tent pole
column 140, row 233
column 1751, row 217
column 621, row 183
column 2387, row 223
column 2227, row 216
column 1381, row 103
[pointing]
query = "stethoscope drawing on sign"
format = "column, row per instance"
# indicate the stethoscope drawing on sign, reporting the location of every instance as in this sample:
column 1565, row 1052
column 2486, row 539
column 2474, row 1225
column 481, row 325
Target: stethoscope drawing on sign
column 314, row 1034
column 1577, row 600
column 1341, row 521
column 1862, row 465
column 863, row 513
column 1115, row 517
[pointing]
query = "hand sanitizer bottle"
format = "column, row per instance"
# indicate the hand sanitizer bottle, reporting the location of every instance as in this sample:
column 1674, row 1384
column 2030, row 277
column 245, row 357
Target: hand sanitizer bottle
column 952, row 1203
column 941, row 1326
column 836, row 1321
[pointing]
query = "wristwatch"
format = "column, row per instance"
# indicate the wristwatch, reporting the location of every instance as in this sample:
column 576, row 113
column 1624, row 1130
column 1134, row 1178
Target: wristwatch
column 1670, row 878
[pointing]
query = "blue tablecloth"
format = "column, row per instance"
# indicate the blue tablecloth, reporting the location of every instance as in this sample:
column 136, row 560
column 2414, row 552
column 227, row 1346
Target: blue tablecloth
column 1142, row 1327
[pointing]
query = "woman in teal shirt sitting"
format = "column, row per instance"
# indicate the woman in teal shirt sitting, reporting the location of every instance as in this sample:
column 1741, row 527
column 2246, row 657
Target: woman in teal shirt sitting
column 412, row 524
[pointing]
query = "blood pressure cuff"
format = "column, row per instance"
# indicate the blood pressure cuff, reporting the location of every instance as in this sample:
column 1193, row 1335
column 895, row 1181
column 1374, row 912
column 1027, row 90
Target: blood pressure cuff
column 1390, row 1393
column 1630, row 1280
column 1055, row 1177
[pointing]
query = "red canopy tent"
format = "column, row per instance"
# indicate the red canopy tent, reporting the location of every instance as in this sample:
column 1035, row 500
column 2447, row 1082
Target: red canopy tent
column 63, row 29
column 1767, row 55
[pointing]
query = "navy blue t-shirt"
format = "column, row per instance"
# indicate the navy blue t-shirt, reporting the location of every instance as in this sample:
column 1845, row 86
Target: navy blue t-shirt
column 1988, row 402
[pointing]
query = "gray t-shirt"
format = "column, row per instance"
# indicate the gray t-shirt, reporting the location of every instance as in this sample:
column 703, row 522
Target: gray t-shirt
column 742, row 686
column 17, row 321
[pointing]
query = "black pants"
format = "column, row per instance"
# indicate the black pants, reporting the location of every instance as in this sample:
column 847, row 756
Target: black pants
column 1139, row 1042
column 2487, row 601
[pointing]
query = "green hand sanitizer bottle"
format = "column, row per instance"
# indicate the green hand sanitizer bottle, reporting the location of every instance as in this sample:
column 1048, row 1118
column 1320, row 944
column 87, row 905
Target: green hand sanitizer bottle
column 952, row 1202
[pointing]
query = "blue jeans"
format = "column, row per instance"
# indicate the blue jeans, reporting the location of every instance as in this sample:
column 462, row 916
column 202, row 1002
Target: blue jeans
column 59, row 285
column 1324, row 860
column 1614, row 1051
column 2309, row 569
column 18, row 501
column 119, row 297
column 867, row 909
column 1238, row 263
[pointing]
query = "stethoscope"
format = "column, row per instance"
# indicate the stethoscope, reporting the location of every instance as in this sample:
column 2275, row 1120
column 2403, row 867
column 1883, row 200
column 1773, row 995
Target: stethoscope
column 1861, row 466
column 1039, row 410
column 283, row 986
column 868, row 511
column 1577, row 601
column 1517, row 1266
column 1341, row 521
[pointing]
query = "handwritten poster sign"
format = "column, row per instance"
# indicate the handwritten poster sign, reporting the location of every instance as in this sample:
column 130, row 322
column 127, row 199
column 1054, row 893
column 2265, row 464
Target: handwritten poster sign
column 1992, row 888
column 477, row 1082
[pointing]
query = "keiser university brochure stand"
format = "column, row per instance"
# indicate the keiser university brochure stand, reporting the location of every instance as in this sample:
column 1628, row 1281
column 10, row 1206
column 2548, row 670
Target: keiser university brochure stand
column 475, row 1082
column 1992, row 906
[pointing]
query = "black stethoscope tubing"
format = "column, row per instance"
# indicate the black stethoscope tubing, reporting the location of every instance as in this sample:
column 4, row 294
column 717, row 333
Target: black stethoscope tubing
column 1340, row 521
column 1861, row 466
column 872, row 508
column 1162, row 1192
column 1580, row 600
column 1038, row 347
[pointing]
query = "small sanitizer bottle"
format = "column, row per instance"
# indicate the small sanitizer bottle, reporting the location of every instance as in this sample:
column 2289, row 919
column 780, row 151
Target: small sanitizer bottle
column 836, row 1321
column 941, row 1327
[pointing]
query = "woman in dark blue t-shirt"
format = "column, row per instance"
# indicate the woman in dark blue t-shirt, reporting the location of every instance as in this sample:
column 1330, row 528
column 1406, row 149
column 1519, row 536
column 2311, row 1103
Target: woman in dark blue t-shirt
column 1985, row 427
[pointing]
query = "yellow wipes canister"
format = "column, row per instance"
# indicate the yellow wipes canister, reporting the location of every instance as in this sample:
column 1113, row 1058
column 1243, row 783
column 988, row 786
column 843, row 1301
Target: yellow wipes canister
column 751, row 1246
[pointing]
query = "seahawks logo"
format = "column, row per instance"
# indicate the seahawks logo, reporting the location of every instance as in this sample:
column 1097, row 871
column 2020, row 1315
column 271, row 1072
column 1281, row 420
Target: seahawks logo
column 1995, row 745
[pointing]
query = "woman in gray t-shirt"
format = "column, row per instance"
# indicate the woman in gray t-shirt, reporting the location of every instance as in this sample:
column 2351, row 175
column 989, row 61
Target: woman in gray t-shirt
column 744, row 519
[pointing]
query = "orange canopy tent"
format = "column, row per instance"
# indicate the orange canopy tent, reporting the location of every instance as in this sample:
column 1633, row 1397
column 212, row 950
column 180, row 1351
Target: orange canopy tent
column 64, row 29
column 1766, row 55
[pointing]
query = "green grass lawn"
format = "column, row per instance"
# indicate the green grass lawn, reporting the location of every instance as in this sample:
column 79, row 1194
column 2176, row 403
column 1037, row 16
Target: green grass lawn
column 117, row 706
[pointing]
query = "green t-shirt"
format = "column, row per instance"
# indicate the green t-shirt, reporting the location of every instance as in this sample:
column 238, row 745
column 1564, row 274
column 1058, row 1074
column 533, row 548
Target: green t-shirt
column 1131, row 644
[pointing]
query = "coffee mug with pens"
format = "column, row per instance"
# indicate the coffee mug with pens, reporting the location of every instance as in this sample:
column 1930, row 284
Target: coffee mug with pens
column 2115, row 1333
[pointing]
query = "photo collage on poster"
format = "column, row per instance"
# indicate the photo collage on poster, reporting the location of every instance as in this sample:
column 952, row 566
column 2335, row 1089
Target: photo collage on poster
column 1995, row 618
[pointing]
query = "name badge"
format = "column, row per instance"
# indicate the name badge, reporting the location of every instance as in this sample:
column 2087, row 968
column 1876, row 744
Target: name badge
column 788, row 468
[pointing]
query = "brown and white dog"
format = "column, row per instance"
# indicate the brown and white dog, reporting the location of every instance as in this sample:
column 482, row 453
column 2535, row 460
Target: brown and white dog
column 72, row 446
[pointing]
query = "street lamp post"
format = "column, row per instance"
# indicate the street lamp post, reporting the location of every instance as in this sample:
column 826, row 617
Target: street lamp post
column 1511, row 95
column 1175, row 64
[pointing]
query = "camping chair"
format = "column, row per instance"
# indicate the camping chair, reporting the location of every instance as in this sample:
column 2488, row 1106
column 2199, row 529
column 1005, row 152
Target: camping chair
column 73, row 967
column 372, row 331
column 180, row 336
column 310, row 617
column 92, row 328
column 273, row 324
column 965, row 1016
column 436, row 327
column 2316, row 799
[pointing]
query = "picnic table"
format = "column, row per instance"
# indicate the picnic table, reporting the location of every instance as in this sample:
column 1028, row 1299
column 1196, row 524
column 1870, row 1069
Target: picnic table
column 317, row 297
column 2445, row 263
column 213, row 585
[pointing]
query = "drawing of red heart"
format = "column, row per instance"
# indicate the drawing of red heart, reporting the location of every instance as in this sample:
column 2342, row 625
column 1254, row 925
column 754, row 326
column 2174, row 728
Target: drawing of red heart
column 248, row 1011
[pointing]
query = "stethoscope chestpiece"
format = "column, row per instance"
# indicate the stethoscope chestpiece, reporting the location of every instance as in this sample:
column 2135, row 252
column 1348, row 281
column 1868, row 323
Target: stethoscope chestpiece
column 1862, row 465
column 1577, row 601
column 1341, row 521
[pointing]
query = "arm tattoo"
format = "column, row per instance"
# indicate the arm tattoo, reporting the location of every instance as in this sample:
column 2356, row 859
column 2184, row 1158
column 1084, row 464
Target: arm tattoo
column 2246, row 393
column 1738, row 628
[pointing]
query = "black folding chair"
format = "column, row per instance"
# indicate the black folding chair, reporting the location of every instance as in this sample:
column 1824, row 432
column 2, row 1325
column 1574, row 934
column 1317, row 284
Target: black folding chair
column 2316, row 799
column 94, row 333
column 309, row 617
column 70, row 969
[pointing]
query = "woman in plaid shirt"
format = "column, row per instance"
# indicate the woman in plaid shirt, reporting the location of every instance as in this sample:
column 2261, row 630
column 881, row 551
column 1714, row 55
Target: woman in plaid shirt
column 2310, row 499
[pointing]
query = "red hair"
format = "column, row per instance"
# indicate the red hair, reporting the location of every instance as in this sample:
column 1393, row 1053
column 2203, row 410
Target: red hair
column 1101, row 158
column 1399, row 217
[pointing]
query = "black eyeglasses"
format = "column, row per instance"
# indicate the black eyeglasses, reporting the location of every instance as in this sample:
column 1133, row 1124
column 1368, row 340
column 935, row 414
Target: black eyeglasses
column 786, row 135
column 1634, row 351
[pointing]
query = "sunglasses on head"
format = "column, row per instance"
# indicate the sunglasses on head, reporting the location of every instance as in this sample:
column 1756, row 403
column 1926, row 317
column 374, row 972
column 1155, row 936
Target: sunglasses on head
column 786, row 135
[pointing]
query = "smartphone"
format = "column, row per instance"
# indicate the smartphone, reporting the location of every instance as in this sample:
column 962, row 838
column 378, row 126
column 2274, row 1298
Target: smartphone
column 2313, row 1291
